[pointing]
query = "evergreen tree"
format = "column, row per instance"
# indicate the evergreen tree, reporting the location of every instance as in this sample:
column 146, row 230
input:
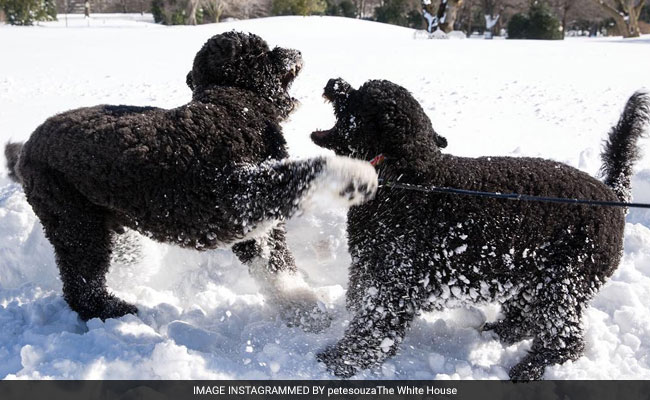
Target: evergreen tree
column 343, row 8
column 393, row 12
column 518, row 26
column 542, row 23
column 348, row 9
column 26, row 12
column 539, row 23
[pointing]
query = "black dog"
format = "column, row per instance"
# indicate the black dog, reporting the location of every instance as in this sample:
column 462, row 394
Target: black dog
column 416, row 251
column 204, row 175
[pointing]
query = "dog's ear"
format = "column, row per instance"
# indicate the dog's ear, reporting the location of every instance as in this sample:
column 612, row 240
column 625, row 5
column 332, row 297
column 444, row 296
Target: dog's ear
column 222, row 48
column 233, row 45
column 189, row 81
column 401, row 126
column 227, row 56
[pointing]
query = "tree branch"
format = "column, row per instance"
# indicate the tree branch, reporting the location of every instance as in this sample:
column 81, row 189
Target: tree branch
column 608, row 9
column 638, row 7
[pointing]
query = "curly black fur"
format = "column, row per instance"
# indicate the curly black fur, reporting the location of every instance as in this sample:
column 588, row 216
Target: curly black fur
column 203, row 175
column 12, row 152
column 620, row 150
column 416, row 251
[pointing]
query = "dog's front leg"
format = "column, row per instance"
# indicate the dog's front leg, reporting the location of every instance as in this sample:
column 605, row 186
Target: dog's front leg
column 375, row 332
column 253, row 195
column 273, row 267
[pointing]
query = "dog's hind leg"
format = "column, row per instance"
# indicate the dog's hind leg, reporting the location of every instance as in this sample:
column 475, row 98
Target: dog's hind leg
column 555, row 320
column 271, row 264
column 515, row 326
column 80, row 234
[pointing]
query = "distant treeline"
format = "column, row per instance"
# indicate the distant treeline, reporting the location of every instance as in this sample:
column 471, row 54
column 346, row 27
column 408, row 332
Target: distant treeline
column 576, row 17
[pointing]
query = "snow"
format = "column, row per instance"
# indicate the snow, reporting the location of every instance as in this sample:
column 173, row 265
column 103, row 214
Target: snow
column 201, row 316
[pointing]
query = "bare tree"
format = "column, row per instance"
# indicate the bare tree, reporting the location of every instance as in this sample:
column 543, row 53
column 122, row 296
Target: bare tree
column 497, row 12
column 492, row 10
column 441, row 14
column 465, row 16
column 580, row 14
column 360, row 5
column 366, row 8
column 625, row 14
column 214, row 9
column 586, row 15
column 245, row 9
column 571, row 11
column 451, row 13
column 190, row 11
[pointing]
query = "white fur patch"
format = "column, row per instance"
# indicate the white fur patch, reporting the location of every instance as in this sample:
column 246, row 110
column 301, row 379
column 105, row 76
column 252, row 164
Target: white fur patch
column 346, row 181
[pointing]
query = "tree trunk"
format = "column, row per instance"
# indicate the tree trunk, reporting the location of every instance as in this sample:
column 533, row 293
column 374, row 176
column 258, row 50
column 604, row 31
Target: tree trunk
column 469, row 18
column 635, row 13
column 444, row 14
column 565, row 14
column 431, row 14
column 361, row 8
column 218, row 10
column 451, row 12
column 192, row 6
column 628, row 28
column 628, row 24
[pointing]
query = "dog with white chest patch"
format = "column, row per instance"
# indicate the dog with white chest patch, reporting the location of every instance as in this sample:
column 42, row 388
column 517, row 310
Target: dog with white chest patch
column 210, row 173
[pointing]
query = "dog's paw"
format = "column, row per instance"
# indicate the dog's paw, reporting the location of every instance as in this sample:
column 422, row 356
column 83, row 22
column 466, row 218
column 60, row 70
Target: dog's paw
column 115, row 308
column 506, row 332
column 529, row 369
column 312, row 318
column 335, row 363
column 347, row 181
column 105, row 308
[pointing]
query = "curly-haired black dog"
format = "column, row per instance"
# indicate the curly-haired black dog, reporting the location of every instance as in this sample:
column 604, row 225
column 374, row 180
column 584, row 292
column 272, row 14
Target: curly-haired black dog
column 204, row 175
column 416, row 251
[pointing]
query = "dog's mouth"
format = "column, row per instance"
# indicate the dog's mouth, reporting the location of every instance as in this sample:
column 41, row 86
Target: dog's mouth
column 328, row 96
column 293, row 70
column 336, row 93
column 322, row 137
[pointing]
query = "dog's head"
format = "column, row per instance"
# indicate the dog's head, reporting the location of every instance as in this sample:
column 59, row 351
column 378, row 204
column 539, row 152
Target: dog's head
column 245, row 61
column 378, row 118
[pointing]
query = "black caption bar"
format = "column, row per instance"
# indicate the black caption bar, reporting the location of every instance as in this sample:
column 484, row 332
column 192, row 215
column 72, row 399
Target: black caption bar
column 199, row 390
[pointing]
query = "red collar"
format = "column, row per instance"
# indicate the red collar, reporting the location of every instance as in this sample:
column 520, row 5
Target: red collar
column 377, row 161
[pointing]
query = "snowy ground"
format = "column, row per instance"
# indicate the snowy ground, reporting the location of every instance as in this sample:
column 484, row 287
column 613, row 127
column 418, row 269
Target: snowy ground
column 200, row 314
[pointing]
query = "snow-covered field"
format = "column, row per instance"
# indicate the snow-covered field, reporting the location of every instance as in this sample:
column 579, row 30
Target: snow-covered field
column 200, row 313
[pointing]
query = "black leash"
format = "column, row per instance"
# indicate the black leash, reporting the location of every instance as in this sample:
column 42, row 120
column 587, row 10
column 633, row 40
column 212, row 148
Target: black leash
column 509, row 196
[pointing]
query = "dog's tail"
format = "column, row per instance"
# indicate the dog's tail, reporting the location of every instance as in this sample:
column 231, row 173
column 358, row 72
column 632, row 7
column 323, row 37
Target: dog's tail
column 621, row 149
column 12, row 153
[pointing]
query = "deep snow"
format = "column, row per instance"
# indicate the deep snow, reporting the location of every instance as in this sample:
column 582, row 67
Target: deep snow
column 200, row 313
